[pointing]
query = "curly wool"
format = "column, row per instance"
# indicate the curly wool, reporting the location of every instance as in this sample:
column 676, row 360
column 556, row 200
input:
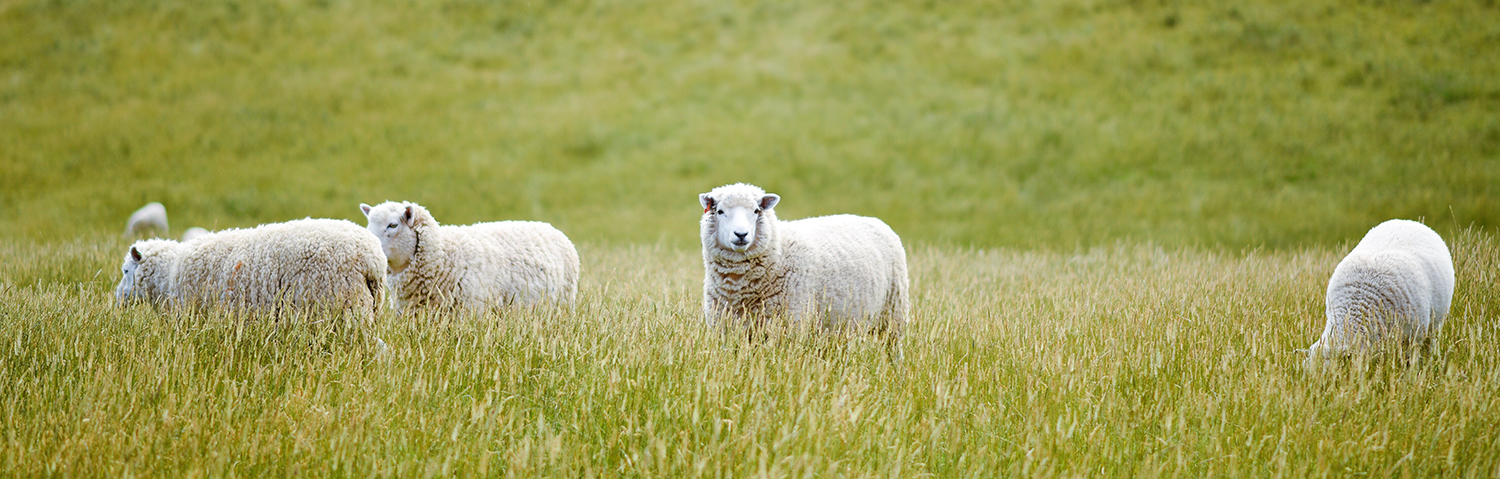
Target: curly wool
column 848, row 270
column 1395, row 287
column 298, row 266
column 477, row 267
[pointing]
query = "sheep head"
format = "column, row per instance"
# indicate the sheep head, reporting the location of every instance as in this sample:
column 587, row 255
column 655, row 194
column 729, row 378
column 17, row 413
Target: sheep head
column 146, row 265
column 398, row 226
column 736, row 217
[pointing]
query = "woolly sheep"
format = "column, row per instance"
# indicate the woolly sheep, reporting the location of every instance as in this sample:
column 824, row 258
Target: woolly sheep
column 483, row 266
column 193, row 232
column 849, row 271
column 151, row 218
column 299, row 265
column 1395, row 286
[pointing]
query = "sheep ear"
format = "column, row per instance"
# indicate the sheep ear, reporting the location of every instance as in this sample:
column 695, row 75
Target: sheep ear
column 410, row 216
column 769, row 201
column 135, row 254
column 707, row 202
column 365, row 208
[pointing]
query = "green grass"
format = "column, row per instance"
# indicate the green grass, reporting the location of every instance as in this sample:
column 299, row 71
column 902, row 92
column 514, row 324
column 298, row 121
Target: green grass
column 1124, row 361
column 1049, row 124
column 1121, row 217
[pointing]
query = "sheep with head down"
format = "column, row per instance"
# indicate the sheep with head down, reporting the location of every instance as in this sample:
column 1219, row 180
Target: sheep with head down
column 303, row 265
column 1392, row 290
column 148, row 220
column 846, row 271
column 479, row 267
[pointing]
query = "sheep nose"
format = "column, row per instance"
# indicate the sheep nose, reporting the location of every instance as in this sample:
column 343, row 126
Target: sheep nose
column 741, row 235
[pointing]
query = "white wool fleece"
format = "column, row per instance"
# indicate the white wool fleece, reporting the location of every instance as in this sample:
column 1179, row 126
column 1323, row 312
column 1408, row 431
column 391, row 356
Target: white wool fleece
column 297, row 265
column 478, row 267
column 1396, row 286
column 849, row 271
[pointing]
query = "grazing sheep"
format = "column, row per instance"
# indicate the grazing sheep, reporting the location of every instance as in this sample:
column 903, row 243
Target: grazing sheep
column 1393, row 289
column 193, row 232
column 150, row 219
column 849, row 271
column 484, row 266
column 298, row 265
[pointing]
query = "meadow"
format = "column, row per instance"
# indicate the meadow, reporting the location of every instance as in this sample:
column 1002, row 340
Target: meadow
column 1120, row 218
column 1038, row 125
column 1124, row 361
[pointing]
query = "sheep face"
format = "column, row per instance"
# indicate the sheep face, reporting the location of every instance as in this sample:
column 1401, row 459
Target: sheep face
column 126, row 291
column 392, row 223
column 734, row 216
column 144, row 263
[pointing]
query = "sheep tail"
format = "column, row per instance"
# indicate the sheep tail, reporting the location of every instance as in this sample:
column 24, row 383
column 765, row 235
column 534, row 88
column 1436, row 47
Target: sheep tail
column 376, row 284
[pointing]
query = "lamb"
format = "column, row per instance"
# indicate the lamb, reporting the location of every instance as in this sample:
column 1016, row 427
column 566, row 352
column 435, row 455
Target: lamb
column 848, row 271
column 193, row 232
column 302, row 265
column 151, row 218
column 484, row 266
column 1393, row 289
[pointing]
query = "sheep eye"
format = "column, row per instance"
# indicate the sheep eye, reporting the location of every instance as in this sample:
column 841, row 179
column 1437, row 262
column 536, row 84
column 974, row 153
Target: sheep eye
column 721, row 212
column 392, row 226
column 757, row 211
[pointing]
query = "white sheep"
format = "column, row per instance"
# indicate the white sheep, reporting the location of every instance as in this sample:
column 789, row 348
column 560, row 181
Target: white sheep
column 151, row 218
column 847, row 271
column 193, row 232
column 1393, row 289
column 299, row 265
column 484, row 266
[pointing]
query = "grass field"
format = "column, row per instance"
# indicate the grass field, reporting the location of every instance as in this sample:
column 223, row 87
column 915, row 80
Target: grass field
column 1127, row 361
column 1120, row 217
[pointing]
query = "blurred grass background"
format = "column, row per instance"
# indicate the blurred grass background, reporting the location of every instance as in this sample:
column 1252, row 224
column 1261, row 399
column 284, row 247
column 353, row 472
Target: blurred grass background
column 1026, row 124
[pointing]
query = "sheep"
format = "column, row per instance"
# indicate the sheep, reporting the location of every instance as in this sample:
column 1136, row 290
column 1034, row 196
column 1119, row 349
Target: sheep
column 479, row 267
column 1394, row 288
column 193, row 232
column 849, row 271
column 299, row 265
column 151, row 218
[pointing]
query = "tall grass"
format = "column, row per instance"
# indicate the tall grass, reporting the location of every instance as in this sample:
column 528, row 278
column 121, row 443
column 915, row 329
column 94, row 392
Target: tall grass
column 1118, row 361
column 1121, row 217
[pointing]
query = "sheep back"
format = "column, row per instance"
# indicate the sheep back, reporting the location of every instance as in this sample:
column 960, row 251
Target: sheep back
column 487, row 265
column 302, row 264
column 844, row 268
column 151, row 218
column 1396, row 285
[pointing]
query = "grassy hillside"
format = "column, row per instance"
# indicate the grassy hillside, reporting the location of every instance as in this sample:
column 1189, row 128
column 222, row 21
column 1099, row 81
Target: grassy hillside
column 1120, row 216
column 1117, row 362
column 1047, row 124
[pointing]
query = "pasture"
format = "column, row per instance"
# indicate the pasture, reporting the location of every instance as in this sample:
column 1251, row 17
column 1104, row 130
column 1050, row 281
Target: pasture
column 1116, row 361
column 1120, row 218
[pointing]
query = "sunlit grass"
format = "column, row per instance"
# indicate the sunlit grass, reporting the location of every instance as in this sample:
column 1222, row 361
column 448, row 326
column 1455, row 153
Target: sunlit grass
column 1119, row 361
column 1121, row 217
